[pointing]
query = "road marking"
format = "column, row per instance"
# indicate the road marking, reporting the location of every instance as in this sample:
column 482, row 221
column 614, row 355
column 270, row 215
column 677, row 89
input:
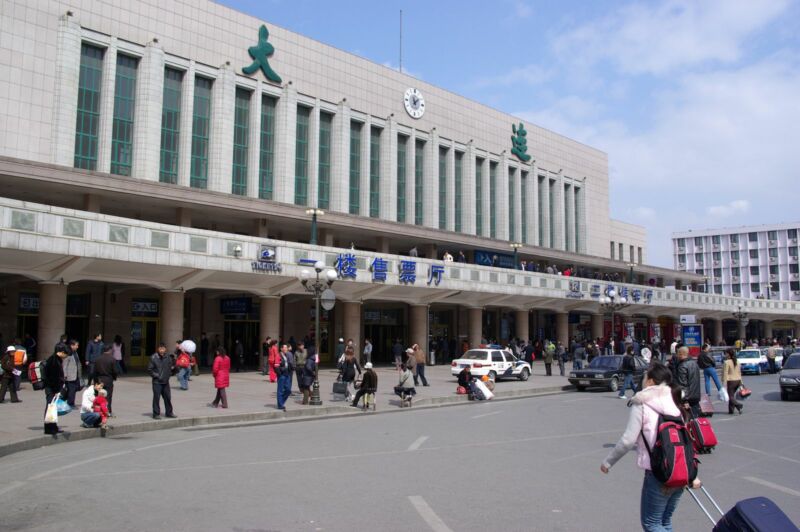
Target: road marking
column 11, row 487
column 484, row 415
column 774, row 486
column 178, row 442
column 417, row 443
column 427, row 513
column 772, row 455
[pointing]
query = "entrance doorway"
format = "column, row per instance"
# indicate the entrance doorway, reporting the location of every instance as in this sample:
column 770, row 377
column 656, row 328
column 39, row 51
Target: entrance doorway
column 383, row 327
column 144, row 339
column 246, row 331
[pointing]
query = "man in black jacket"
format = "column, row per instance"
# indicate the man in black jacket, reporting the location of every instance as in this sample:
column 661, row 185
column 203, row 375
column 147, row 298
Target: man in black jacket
column 53, row 375
column 161, row 368
column 105, row 371
column 627, row 368
column 687, row 376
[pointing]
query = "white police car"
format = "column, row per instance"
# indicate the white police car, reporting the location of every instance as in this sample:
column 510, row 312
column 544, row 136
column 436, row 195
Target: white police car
column 750, row 360
column 492, row 361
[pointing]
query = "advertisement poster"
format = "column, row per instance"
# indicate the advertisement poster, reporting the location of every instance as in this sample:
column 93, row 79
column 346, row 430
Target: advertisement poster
column 692, row 337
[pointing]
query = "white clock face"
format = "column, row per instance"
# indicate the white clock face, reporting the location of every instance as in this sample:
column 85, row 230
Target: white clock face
column 414, row 102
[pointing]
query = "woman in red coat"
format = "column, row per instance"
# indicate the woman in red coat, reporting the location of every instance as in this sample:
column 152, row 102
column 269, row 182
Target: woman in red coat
column 272, row 359
column 222, row 376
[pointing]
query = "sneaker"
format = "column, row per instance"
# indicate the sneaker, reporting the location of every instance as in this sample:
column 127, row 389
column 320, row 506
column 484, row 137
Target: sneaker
column 103, row 431
column 622, row 397
column 85, row 426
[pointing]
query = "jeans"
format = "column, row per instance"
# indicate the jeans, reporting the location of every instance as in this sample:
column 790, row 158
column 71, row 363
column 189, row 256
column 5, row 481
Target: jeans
column 183, row 377
column 577, row 364
column 709, row 374
column 657, row 504
column 628, row 382
column 72, row 389
column 284, row 388
column 561, row 364
column 91, row 419
column 421, row 375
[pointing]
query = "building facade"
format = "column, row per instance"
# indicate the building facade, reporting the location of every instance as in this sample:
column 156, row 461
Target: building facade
column 149, row 153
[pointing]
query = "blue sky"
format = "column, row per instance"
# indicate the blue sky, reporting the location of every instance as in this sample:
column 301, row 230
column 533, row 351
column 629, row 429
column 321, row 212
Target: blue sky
column 697, row 103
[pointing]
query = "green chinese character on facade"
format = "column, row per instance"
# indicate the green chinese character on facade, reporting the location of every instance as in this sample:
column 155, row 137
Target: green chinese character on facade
column 520, row 143
column 261, row 54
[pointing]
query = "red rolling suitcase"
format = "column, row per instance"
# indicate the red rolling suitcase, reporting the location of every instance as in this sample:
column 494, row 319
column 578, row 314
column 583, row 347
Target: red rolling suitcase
column 702, row 435
column 758, row 514
column 706, row 406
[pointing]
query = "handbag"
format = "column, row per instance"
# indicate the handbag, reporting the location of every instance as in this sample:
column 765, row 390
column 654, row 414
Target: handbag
column 723, row 395
column 62, row 407
column 743, row 392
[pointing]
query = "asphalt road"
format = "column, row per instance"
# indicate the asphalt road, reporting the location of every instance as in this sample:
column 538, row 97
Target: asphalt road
column 529, row 464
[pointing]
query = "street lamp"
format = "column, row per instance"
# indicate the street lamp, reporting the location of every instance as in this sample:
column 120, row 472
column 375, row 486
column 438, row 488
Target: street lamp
column 741, row 316
column 516, row 246
column 314, row 212
column 705, row 280
column 612, row 302
column 317, row 285
column 630, row 272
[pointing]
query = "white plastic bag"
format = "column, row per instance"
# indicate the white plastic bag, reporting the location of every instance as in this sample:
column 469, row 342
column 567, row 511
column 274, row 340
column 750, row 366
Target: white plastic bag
column 51, row 414
column 723, row 395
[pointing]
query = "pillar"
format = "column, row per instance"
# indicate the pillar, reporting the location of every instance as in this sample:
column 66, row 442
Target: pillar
column 475, row 325
column 187, row 119
column 718, row 331
column 418, row 321
column 382, row 244
column 52, row 316
column 261, row 228
column 325, row 237
column 65, row 108
column 562, row 327
column 429, row 251
column 171, row 316
column 91, row 202
column 597, row 326
column 523, row 330
column 501, row 198
column 220, row 143
column 767, row 329
column 254, row 142
column 742, row 330
column 147, row 118
column 183, row 217
column 352, row 324
column 270, row 317
column 106, row 119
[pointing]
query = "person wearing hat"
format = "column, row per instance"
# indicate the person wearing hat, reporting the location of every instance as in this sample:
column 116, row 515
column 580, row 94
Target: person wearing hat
column 411, row 363
column 105, row 371
column 369, row 383
column 419, row 356
column 7, row 378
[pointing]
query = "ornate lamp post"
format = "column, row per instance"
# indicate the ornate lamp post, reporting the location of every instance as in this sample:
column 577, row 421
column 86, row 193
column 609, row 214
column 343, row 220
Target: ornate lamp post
column 612, row 302
column 318, row 286
column 515, row 246
column 314, row 212
column 630, row 272
column 743, row 320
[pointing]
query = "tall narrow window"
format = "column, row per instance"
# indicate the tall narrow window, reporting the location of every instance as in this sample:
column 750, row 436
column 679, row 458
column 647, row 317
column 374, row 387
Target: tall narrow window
column 478, row 197
column 578, row 209
column 241, row 140
column 524, row 193
column 402, row 142
column 419, row 176
column 170, row 125
column 443, row 188
column 492, row 200
column 324, row 165
column 552, row 194
column 567, row 243
column 122, row 132
column 301, row 156
column 88, row 121
column 458, row 178
column 374, row 171
column 266, row 159
column 512, row 212
column 201, row 129
column 542, row 184
column 355, row 167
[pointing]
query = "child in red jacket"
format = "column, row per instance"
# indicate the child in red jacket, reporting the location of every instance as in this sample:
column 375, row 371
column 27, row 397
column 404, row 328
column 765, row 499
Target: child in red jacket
column 100, row 406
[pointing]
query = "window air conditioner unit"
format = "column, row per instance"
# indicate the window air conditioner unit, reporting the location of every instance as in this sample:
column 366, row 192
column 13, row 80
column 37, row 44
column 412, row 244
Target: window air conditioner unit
column 773, row 260
column 716, row 247
column 793, row 241
column 735, row 262
column 773, row 243
column 716, row 263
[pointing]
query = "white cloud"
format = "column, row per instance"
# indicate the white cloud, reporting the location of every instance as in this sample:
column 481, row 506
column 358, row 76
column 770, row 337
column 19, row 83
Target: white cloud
column 531, row 75
column 406, row 71
column 734, row 207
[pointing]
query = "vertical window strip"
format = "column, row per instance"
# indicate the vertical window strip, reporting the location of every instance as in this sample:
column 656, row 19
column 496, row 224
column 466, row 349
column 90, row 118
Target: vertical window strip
column 578, row 215
column 542, row 191
column 512, row 233
column 374, row 171
column 170, row 126
column 419, row 176
column 492, row 200
column 241, row 140
column 201, row 131
column 567, row 243
column 301, row 156
column 479, row 197
column 88, row 116
column 355, row 166
column 442, row 188
column 524, row 202
column 551, row 187
column 459, row 164
column 324, row 171
column 402, row 142
column 266, row 159
column 122, row 128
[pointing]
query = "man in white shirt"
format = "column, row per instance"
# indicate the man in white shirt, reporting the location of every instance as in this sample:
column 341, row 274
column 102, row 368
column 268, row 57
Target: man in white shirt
column 89, row 417
column 368, row 350
column 672, row 347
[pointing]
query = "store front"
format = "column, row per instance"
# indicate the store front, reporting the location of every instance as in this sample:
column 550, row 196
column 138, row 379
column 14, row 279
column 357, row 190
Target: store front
column 383, row 326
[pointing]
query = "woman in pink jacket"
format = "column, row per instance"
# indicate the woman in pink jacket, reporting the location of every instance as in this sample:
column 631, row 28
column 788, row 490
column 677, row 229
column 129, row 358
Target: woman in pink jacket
column 222, row 376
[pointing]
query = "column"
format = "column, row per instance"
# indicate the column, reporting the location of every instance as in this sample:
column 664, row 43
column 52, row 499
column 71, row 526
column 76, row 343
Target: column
column 544, row 215
column 570, row 219
column 187, row 116
column 65, row 109
column 254, row 141
column 147, row 113
column 523, row 325
column 518, row 205
column 562, row 327
column 468, row 199
column 340, row 158
column 475, row 326
column 597, row 326
column 269, row 317
column 430, row 187
column 52, row 316
column 91, row 202
column 382, row 244
column 352, row 324
column 220, row 142
column 285, row 144
column 411, row 176
column 171, row 316
column 531, row 206
column 183, row 217
column 486, row 203
column 501, row 214
column 558, row 216
column 325, row 237
column 718, row 334
column 450, row 184
column 418, row 326
column 767, row 329
column 260, row 228
column 363, row 187
column 580, row 216
column 388, row 190
column 312, row 188
column 105, row 127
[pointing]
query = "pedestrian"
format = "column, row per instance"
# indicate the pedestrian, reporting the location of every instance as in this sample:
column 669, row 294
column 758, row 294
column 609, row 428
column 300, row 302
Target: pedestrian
column 105, row 371
column 100, row 407
column 339, row 352
column 413, row 252
column 646, row 354
column 578, row 354
column 265, row 365
column 283, row 371
column 405, row 387
column 397, row 353
column 53, row 374
column 419, row 358
column 658, row 398
column 367, row 350
column 369, row 384
column 72, row 372
column 221, row 371
column 183, row 362
column 410, row 362
column 447, row 257
column 732, row 379
column 20, row 362
column 687, row 375
column 118, row 350
column 238, row 351
column 90, row 418
column 292, row 364
column 549, row 353
column 461, row 257
column 93, row 352
column 30, row 345
column 772, row 353
column 160, row 369
column 627, row 367
column 7, row 376
column 300, row 355
column 349, row 367
column 709, row 367
column 272, row 359
column 561, row 354
column 309, row 376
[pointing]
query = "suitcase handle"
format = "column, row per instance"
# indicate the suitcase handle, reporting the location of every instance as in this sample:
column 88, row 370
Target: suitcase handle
column 697, row 500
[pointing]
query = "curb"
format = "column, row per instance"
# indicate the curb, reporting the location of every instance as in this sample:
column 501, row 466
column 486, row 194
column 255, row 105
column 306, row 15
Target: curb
column 262, row 418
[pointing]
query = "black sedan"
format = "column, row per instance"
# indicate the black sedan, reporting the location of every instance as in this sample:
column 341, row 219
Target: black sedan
column 605, row 372
column 790, row 377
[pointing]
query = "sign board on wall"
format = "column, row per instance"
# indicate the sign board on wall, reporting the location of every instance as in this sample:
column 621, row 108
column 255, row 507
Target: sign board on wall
column 687, row 319
column 144, row 308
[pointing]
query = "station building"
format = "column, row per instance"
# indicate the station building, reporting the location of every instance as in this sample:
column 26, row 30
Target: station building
column 159, row 163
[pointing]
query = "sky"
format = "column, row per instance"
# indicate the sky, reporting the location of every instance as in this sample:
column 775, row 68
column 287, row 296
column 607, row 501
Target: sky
column 697, row 103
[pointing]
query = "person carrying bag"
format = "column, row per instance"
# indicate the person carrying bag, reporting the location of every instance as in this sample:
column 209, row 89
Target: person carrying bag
column 732, row 380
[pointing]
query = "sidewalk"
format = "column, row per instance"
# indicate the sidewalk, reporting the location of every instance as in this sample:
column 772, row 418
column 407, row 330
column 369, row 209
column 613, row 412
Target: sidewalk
column 251, row 398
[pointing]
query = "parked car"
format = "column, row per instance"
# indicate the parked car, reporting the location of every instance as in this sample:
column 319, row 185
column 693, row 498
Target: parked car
column 790, row 377
column 750, row 360
column 494, row 362
column 604, row 371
